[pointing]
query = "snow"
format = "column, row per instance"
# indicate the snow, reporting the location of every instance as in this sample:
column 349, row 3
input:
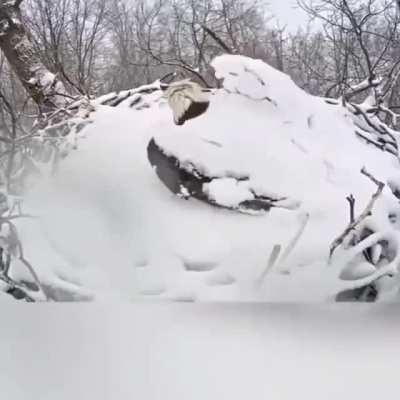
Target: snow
column 108, row 223
column 205, row 351
column 228, row 191
column 357, row 271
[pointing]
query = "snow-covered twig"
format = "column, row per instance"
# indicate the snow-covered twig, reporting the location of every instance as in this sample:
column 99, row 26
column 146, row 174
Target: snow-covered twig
column 264, row 98
column 276, row 250
column 369, row 122
column 366, row 213
column 271, row 262
column 292, row 244
column 379, row 145
column 12, row 285
column 361, row 87
column 12, row 248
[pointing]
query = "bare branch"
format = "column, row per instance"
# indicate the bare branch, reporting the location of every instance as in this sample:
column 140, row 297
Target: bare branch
column 221, row 43
column 352, row 202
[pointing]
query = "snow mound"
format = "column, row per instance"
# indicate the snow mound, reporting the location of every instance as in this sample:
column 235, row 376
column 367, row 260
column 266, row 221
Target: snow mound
column 108, row 224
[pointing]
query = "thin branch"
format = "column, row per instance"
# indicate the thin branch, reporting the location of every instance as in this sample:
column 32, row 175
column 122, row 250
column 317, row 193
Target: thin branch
column 217, row 39
column 366, row 213
column 352, row 202
column 292, row 244
column 271, row 262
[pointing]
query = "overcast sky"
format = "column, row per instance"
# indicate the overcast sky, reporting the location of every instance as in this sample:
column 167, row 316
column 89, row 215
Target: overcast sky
column 288, row 13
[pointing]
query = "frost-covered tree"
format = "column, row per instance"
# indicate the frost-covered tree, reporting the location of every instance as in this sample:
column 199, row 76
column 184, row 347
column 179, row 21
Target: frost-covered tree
column 360, row 51
column 43, row 86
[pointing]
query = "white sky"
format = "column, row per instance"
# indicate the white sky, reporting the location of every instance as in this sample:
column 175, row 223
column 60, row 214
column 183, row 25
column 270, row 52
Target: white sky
column 287, row 12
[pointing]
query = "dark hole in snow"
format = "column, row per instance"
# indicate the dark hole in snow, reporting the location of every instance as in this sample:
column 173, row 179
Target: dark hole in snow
column 199, row 266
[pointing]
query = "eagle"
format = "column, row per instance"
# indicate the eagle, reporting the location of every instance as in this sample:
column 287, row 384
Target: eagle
column 187, row 100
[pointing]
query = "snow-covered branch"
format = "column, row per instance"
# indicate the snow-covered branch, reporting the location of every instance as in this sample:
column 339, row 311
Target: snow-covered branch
column 350, row 229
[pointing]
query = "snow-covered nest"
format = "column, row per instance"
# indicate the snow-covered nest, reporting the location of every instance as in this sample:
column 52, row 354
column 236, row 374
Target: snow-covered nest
column 111, row 229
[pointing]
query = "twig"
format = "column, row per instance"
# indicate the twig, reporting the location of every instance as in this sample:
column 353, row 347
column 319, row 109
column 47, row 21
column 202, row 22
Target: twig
column 30, row 268
column 292, row 244
column 13, row 217
column 34, row 275
column 351, row 201
column 366, row 213
column 17, row 245
column 271, row 262
column 372, row 178
column 168, row 78
column 381, row 146
column 362, row 88
column 217, row 39
column 14, row 285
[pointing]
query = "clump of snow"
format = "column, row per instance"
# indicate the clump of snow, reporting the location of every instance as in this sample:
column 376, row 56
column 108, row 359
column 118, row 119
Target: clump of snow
column 357, row 271
column 106, row 211
column 228, row 191
column 256, row 80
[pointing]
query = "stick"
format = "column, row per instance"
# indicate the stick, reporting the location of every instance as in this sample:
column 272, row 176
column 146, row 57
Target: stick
column 366, row 213
column 294, row 241
column 217, row 39
column 351, row 201
column 271, row 262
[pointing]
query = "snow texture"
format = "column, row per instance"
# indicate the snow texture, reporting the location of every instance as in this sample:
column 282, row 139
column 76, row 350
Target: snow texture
column 109, row 225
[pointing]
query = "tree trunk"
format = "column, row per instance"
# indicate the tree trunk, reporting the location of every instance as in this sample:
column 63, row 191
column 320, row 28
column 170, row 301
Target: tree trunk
column 43, row 86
